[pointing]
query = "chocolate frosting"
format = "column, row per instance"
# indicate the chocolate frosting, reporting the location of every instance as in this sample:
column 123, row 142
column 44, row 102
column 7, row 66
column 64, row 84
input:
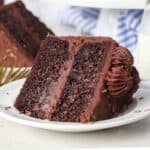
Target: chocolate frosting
column 119, row 80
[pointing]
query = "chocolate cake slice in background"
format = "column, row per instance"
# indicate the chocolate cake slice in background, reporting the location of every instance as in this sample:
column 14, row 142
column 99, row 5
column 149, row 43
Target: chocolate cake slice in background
column 79, row 79
column 21, row 34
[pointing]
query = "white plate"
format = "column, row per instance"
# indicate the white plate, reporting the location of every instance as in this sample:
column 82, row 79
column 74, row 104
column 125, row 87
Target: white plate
column 138, row 110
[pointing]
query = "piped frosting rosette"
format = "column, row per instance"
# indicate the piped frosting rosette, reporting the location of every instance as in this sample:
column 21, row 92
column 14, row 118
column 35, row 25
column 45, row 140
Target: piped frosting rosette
column 119, row 80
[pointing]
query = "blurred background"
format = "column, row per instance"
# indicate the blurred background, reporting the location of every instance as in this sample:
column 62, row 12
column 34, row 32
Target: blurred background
column 126, row 21
column 48, row 12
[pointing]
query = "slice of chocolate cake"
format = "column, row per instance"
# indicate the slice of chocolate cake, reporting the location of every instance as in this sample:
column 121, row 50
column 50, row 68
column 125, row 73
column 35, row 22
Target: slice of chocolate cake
column 79, row 79
column 21, row 34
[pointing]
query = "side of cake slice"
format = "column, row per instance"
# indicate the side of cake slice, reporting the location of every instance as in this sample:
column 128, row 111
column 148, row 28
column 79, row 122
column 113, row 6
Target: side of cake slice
column 79, row 79
column 21, row 34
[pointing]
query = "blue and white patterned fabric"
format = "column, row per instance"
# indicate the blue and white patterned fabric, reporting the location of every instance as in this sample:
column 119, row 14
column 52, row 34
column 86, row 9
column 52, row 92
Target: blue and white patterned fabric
column 85, row 19
column 128, row 25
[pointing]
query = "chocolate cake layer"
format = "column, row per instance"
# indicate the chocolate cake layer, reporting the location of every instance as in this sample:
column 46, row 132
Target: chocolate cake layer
column 24, row 30
column 79, row 79
column 35, row 28
column 17, row 32
column 48, row 74
column 84, row 83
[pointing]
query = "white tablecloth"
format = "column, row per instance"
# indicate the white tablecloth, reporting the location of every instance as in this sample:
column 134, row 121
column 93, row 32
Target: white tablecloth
column 18, row 137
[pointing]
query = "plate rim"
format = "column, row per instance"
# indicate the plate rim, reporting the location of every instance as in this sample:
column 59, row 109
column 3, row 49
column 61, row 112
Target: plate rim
column 67, row 126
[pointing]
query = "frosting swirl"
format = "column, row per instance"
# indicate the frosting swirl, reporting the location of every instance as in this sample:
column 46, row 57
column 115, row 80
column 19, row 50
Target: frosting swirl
column 121, row 56
column 119, row 80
